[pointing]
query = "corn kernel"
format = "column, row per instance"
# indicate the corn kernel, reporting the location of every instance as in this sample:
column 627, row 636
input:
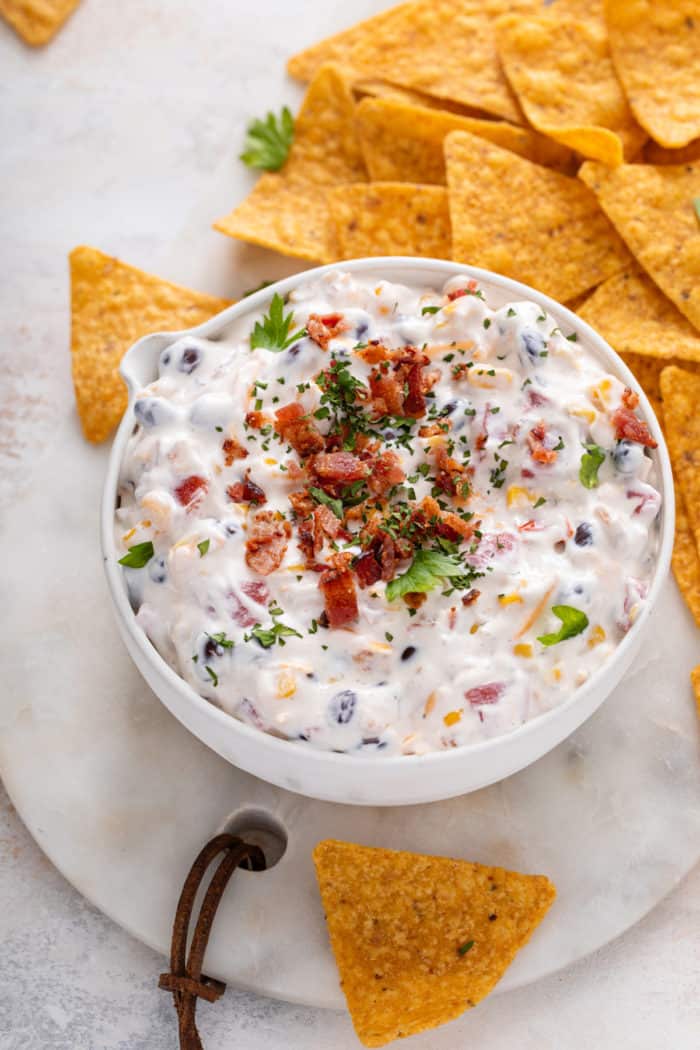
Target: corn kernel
column 429, row 704
column 600, row 393
column 127, row 535
column 509, row 599
column 452, row 718
column 474, row 628
column 286, row 685
column 519, row 496
column 523, row 649
column 597, row 636
column 380, row 647
column 490, row 379
column 587, row 414
column 270, row 461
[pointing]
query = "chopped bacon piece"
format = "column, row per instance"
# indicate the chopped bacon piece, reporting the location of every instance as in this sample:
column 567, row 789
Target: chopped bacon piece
column 190, row 492
column 302, row 503
column 527, row 473
column 630, row 399
column 450, row 474
column 535, row 399
column 267, row 542
column 256, row 419
column 387, row 394
column 301, row 432
column 486, row 694
column 325, row 524
column 386, row 472
column 629, row 427
column 232, row 451
column 340, row 467
column 246, row 491
column 337, row 586
column 452, row 527
column 324, row 328
column 239, row 614
column 256, row 590
column 470, row 597
column 374, row 352
column 414, row 402
column 414, row 599
column 459, row 292
column 539, row 452
column 367, row 569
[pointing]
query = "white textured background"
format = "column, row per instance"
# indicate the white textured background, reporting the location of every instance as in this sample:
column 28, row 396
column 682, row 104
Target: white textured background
column 110, row 137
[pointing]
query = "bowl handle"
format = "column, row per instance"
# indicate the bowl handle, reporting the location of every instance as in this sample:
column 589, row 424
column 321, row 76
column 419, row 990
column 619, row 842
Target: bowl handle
column 139, row 366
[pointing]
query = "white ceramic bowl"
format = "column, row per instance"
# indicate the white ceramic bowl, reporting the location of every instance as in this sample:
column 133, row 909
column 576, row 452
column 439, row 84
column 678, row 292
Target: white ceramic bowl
column 355, row 779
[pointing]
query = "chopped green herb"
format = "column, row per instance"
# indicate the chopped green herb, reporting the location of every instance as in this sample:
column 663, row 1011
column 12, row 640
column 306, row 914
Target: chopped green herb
column 573, row 622
column 267, row 636
column 429, row 310
column 203, row 547
column 573, row 338
column 273, row 333
column 464, row 948
column 138, row 556
column 212, row 674
column 268, row 141
column 313, row 628
column 591, row 461
column 540, row 502
column 389, row 637
column 511, row 312
column 559, row 445
column 222, row 640
column 320, row 496
column 487, row 322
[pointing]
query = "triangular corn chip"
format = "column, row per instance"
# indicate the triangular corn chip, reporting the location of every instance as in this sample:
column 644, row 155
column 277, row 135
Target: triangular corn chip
column 655, row 45
column 680, row 391
column 418, row 939
column 685, row 560
column 404, row 142
column 444, row 48
column 562, row 74
column 525, row 221
column 390, row 218
column 37, row 21
column 695, row 681
column 653, row 209
column 636, row 318
column 113, row 305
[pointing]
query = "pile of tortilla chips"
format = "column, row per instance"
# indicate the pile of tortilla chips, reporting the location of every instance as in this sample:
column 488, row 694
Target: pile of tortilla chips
column 420, row 939
column 556, row 143
column 37, row 21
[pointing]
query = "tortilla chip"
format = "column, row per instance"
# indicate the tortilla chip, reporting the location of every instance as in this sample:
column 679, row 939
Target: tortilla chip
column 524, row 221
column 577, row 302
column 680, row 391
column 652, row 208
column 636, row 318
column 590, row 10
column 419, row 939
column 37, row 21
column 436, row 46
column 113, row 305
column 695, row 681
column 390, row 218
column 685, row 560
column 655, row 47
column 655, row 154
column 325, row 149
column 561, row 71
column 381, row 89
column 402, row 142
column 287, row 216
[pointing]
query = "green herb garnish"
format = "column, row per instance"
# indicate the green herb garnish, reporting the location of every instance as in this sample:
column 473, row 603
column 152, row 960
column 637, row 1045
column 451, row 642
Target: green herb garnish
column 335, row 505
column 464, row 948
column 540, row 502
column 591, row 461
column 268, row 141
column 573, row 622
column 212, row 674
column 138, row 555
column 424, row 574
column 429, row 310
column 222, row 640
column 273, row 333
column 203, row 547
column 267, row 636
column 258, row 288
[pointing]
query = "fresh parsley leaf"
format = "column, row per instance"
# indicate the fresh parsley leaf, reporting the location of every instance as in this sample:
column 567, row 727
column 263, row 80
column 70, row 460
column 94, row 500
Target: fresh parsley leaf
column 320, row 496
column 429, row 310
column 573, row 338
column 212, row 674
column 268, row 141
column 591, row 461
column 573, row 622
column 138, row 556
column 203, row 547
column 424, row 574
column 267, row 636
column 222, row 640
column 273, row 332
column 540, row 502
column 258, row 288
column 464, row 948
column 559, row 445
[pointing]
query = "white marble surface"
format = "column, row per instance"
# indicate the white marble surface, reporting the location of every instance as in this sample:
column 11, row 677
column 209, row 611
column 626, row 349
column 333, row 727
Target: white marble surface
column 110, row 137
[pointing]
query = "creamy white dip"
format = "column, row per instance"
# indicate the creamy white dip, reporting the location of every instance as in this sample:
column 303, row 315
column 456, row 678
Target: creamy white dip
column 540, row 495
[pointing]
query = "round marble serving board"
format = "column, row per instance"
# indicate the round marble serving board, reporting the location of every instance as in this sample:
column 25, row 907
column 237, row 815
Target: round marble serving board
column 121, row 797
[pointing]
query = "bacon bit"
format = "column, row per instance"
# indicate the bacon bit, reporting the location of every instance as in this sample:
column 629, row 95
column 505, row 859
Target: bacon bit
column 367, row 569
column 232, row 451
column 414, row 402
column 449, row 473
column 191, row 491
column 386, row 472
column 536, row 400
column 528, row 526
column 452, row 527
column 246, row 491
column 239, row 614
column 374, row 352
column 486, row 694
column 432, row 429
column 302, row 503
column 337, row 586
column 527, row 473
column 256, row 420
column 452, row 617
column 414, row 599
column 324, row 328
column 471, row 596
column 256, row 590
column 294, row 426
column 631, row 428
column 470, row 289
column 538, row 451
column 630, row 399
column 340, row 467
column 267, row 542
column 294, row 471
column 387, row 395
column 325, row 524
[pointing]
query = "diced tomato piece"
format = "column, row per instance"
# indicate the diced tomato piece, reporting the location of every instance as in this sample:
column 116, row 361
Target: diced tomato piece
column 191, row 491
column 486, row 694
column 629, row 427
column 459, row 292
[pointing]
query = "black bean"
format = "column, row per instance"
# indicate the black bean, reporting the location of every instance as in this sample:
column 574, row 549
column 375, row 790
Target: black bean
column 342, row 706
column 152, row 411
column 449, row 408
column 408, row 652
column 230, row 528
column 361, row 329
column 294, row 350
column 583, row 537
column 627, row 457
column 157, row 570
column 190, row 358
column 533, row 344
